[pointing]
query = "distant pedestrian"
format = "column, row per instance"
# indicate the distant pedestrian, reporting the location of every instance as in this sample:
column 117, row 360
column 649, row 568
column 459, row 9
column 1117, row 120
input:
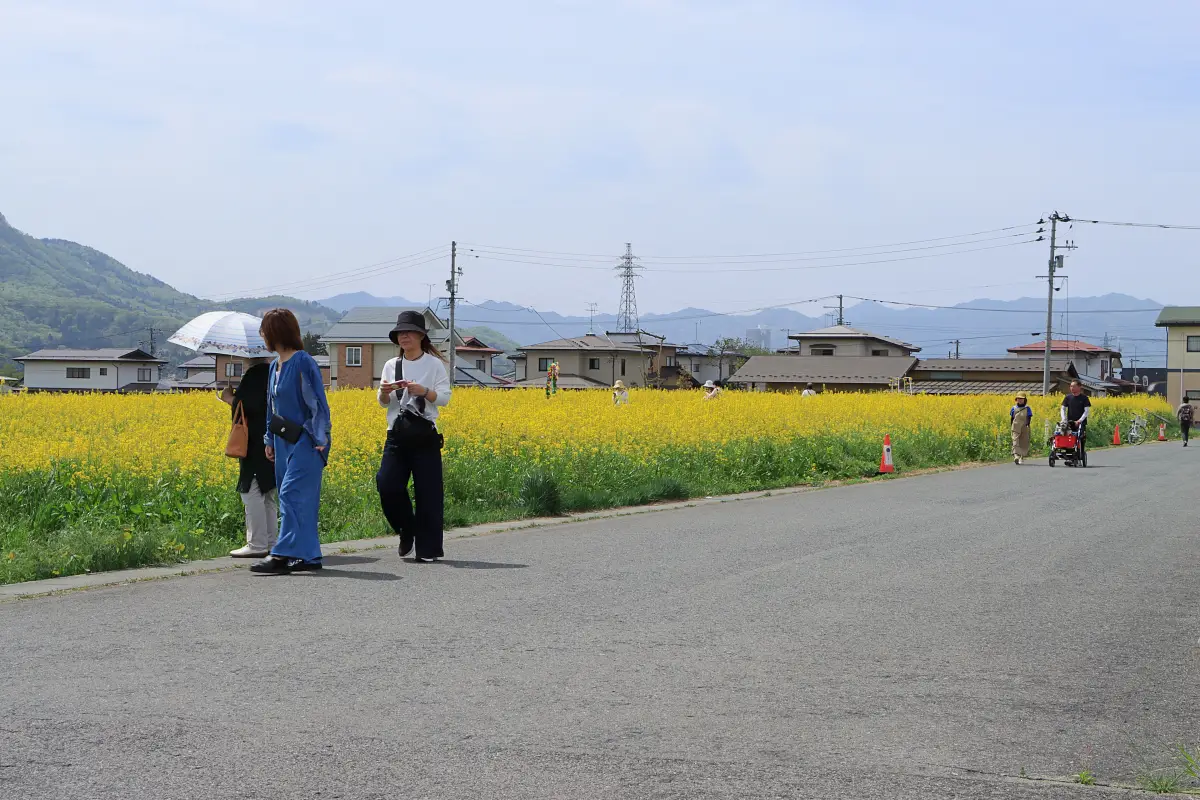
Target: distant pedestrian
column 711, row 390
column 1186, row 413
column 620, row 394
column 256, row 474
column 808, row 391
column 412, row 388
column 297, row 440
column 1021, row 415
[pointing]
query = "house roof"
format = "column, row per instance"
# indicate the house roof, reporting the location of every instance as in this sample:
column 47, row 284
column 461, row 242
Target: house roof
column 1178, row 315
column 1089, row 382
column 846, row 332
column 1063, row 345
column 196, row 380
column 200, row 362
column 322, row 361
column 469, row 376
column 373, row 324
column 588, row 342
column 823, row 369
column 977, row 387
column 472, row 344
column 102, row 354
column 992, row 365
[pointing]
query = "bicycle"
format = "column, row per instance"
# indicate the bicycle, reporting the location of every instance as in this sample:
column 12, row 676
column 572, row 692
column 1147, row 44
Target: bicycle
column 1137, row 429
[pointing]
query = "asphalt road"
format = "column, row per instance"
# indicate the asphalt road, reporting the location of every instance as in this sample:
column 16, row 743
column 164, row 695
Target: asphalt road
column 927, row 637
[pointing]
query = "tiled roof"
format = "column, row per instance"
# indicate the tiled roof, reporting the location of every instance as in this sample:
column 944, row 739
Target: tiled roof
column 1030, row 365
column 374, row 324
column 469, row 376
column 200, row 362
column 1069, row 345
column 102, row 354
column 589, row 342
column 977, row 387
column 1178, row 315
column 564, row 382
column 846, row 332
column 823, row 369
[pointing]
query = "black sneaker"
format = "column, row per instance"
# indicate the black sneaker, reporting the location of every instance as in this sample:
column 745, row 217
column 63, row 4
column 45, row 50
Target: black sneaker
column 271, row 565
column 300, row 565
column 407, row 540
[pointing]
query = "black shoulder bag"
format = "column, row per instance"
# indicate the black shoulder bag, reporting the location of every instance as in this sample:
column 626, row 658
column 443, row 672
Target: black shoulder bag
column 411, row 430
column 288, row 430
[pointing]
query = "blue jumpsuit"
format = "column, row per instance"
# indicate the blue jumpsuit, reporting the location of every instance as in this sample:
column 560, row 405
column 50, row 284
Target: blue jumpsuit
column 297, row 393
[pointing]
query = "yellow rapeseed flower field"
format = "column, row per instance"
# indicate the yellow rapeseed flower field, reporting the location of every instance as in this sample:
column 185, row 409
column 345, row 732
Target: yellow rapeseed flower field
column 85, row 477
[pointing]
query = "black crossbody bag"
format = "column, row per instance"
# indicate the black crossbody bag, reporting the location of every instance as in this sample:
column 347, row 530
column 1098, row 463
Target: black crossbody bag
column 288, row 430
column 411, row 430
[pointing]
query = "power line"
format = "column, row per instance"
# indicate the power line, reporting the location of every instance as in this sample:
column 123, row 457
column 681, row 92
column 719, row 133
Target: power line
column 610, row 256
column 1006, row 310
column 370, row 270
column 1137, row 224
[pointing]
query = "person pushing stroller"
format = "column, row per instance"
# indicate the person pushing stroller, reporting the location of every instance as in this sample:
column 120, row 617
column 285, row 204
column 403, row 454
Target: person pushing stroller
column 1075, row 408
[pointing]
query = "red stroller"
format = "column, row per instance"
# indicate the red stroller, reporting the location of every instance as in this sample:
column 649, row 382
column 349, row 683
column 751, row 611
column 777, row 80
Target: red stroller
column 1068, row 446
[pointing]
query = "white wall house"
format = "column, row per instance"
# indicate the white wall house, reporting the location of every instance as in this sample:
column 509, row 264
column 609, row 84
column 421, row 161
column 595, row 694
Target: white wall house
column 106, row 370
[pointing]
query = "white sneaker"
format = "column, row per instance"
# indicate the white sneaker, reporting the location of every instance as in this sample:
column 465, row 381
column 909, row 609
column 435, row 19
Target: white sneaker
column 247, row 552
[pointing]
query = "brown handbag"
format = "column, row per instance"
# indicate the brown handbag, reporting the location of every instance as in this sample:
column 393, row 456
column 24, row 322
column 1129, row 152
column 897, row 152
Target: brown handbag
column 239, row 436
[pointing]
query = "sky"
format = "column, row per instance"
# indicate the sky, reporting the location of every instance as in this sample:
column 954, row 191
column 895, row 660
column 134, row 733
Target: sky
column 254, row 146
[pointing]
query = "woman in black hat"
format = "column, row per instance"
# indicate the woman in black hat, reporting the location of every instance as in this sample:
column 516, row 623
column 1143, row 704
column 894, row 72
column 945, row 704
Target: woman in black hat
column 412, row 389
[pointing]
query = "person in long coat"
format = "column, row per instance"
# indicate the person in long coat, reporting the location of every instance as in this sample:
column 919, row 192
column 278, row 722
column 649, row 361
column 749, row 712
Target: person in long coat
column 1021, row 415
column 256, row 474
column 296, row 399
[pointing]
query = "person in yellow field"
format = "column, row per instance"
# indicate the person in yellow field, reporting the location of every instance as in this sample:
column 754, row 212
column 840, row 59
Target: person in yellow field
column 711, row 390
column 620, row 394
column 1021, row 415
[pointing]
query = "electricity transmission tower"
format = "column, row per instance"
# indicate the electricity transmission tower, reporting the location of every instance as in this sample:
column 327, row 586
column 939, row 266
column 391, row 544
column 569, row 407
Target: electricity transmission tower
column 627, row 317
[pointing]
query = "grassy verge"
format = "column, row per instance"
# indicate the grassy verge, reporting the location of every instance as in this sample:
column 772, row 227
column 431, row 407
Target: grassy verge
column 53, row 522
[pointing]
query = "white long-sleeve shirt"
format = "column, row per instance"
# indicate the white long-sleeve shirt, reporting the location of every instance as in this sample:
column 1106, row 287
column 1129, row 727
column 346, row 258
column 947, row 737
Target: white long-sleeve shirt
column 428, row 371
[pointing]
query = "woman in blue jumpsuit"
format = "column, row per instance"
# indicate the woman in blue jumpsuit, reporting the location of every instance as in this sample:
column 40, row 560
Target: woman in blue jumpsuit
column 295, row 399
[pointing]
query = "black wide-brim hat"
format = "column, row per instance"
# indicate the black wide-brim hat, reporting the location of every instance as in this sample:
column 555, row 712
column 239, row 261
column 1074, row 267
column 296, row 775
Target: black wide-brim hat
column 408, row 321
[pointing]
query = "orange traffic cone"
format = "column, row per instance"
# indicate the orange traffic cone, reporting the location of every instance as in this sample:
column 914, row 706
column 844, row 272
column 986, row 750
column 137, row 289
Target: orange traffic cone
column 885, row 463
column 1162, row 431
column 1117, row 435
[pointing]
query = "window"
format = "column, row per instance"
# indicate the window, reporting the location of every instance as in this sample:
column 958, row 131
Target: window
column 946, row 376
column 670, row 361
column 480, row 364
column 233, row 369
column 103, row 371
column 821, row 351
column 593, row 363
column 695, row 366
column 544, row 364
column 622, row 367
column 877, row 353
column 1104, row 368
column 353, row 356
column 79, row 372
column 145, row 374
column 1193, row 344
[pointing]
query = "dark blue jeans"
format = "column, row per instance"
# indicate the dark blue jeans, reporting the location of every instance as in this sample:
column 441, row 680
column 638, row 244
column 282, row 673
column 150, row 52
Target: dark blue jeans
column 424, row 465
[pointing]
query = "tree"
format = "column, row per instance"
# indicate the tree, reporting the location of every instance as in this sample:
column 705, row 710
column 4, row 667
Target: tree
column 313, row 345
column 733, row 352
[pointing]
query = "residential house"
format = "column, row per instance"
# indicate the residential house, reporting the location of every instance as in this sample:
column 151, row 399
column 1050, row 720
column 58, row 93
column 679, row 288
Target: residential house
column 360, row 344
column 588, row 362
column 113, row 369
column 854, row 373
column 229, row 369
column 664, row 372
column 474, row 353
column 201, row 363
column 703, row 364
column 844, row 341
column 1002, row 376
column 1183, row 353
column 1090, row 360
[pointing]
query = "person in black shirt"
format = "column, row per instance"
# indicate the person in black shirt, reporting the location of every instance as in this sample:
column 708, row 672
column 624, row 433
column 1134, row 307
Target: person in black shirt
column 1075, row 407
column 256, row 473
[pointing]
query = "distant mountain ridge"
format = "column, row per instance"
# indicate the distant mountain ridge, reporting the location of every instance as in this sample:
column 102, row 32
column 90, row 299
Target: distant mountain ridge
column 982, row 327
column 55, row 292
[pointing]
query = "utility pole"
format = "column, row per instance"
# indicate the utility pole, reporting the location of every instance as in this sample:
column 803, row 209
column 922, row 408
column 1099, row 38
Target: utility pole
column 841, row 311
column 956, row 343
column 1055, row 264
column 452, row 288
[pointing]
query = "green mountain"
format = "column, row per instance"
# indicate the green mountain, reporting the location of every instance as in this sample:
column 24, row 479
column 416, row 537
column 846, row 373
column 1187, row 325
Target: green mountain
column 59, row 293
